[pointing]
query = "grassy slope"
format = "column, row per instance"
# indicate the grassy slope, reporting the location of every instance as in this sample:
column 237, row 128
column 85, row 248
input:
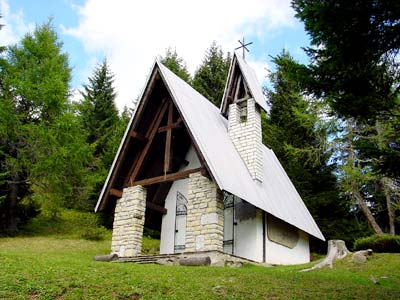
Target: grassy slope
column 54, row 268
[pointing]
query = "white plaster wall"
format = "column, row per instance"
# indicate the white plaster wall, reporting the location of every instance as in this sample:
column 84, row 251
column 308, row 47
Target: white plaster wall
column 248, row 239
column 281, row 255
column 167, row 238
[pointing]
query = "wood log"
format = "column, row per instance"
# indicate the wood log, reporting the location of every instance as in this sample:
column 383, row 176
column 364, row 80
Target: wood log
column 336, row 250
column 109, row 257
column 195, row 261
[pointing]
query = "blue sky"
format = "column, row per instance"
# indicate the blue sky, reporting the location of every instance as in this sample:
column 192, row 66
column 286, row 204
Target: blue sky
column 132, row 33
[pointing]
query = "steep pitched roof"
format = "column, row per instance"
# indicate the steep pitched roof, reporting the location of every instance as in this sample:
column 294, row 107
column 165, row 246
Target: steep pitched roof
column 275, row 195
column 237, row 69
column 209, row 129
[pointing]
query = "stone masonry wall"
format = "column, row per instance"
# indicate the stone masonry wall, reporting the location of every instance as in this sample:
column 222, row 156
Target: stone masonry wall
column 205, row 215
column 128, row 222
column 247, row 137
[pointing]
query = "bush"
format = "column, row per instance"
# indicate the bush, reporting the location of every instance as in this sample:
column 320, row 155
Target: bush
column 379, row 243
column 94, row 233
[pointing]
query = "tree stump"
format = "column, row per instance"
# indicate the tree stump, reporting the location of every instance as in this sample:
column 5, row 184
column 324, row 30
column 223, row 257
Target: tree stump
column 336, row 250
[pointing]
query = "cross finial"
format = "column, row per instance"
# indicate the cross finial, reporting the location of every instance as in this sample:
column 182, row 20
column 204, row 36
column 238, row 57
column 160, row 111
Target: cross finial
column 243, row 45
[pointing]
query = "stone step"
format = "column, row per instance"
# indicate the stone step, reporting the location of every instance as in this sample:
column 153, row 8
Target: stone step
column 146, row 259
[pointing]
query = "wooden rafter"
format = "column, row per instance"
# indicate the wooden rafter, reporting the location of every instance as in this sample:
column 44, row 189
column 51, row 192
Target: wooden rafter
column 237, row 88
column 165, row 178
column 135, row 135
column 168, row 141
column 174, row 125
column 150, row 205
column 116, row 193
column 137, row 167
column 159, row 208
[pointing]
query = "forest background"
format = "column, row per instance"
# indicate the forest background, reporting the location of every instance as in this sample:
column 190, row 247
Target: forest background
column 334, row 123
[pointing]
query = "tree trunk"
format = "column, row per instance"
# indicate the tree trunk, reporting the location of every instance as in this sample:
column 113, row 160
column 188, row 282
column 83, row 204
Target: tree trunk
column 387, row 190
column 365, row 209
column 354, row 185
column 12, row 219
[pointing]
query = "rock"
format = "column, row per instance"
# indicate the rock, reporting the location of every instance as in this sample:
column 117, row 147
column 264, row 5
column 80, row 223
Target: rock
column 373, row 279
column 109, row 257
column 195, row 261
column 234, row 264
column 361, row 256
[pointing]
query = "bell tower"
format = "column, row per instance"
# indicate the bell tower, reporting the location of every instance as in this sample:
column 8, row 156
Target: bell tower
column 241, row 105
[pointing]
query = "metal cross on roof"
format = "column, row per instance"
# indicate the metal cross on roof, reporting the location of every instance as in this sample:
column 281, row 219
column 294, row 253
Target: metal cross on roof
column 243, row 45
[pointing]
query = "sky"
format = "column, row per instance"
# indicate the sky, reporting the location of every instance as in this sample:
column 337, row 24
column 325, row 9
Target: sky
column 131, row 34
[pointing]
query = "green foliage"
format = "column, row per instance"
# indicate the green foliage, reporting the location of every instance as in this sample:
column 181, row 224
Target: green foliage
column 39, row 75
column 209, row 79
column 68, row 223
column 381, row 243
column 34, row 91
column 150, row 245
column 354, row 52
column 98, row 111
column 298, row 135
column 102, row 126
column 60, row 173
column 176, row 64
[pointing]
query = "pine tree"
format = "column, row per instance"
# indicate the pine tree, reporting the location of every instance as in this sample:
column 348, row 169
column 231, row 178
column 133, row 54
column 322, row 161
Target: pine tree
column 296, row 132
column 176, row 64
column 209, row 79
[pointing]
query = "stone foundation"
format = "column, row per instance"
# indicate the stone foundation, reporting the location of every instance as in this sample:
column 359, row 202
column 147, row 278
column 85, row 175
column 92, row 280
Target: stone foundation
column 128, row 222
column 205, row 217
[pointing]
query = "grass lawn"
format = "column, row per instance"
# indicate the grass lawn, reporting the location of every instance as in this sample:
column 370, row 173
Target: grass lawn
column 59, row 268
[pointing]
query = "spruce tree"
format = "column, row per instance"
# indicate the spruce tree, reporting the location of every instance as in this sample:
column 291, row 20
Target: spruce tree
column 98, row 111
column 176, row 64
column 99, row 117
column 209, row 79
column 296, row 132
column 355, row 46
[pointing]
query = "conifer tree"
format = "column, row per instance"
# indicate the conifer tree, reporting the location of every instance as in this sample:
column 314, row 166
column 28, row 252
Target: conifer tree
column 98, row 111
column 176, row 64
column 298, row 136
column 34, row 92
column 209, row 79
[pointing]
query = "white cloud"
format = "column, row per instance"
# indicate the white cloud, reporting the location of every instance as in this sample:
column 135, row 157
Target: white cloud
column 14, row 25
column 132, row 33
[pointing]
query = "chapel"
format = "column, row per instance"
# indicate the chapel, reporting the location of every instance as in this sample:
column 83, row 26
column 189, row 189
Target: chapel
column 201, row 176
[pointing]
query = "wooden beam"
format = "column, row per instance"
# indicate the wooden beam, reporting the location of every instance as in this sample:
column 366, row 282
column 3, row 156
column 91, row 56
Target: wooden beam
column 165, row 178
column 116, row 193
column 149, row 205
column 177, row 124
column 149, row 88
column 237, row 88
column 153, row 131
column 135, row 135
column 159, row 208
column 168, row 141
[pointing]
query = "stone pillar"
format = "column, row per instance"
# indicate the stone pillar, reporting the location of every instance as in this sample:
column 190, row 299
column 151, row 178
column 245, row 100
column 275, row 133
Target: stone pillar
column 246, row 135
column 128, row 222
column 205, row 215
